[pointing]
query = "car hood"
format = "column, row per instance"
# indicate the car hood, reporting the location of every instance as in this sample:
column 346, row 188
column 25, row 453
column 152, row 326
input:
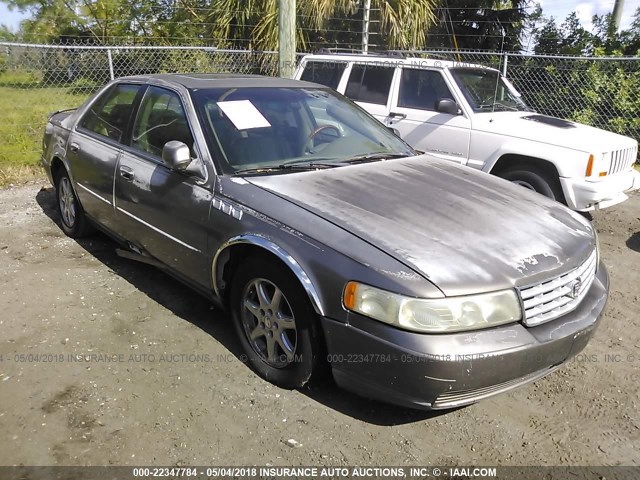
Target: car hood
column 550, row 130
column 463, row 230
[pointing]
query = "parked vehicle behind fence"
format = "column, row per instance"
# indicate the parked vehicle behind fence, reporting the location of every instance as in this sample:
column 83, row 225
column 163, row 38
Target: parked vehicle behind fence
column 333, row 246
column 472, row 115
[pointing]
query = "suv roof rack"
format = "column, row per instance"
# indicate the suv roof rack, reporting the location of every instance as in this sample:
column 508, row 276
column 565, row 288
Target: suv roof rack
column 389, row 53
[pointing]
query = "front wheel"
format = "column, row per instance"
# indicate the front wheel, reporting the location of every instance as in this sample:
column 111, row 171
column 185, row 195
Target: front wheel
column 536, row 180
column 74, row 222
column 275, row 322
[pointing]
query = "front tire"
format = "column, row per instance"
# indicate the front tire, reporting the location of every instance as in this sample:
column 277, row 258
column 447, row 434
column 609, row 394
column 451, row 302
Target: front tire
column 536, row 180
column 72, row 217
column 275, row 322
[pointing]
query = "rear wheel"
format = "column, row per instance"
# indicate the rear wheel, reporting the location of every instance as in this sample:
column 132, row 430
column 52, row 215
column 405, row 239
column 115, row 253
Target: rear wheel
column 275, row 322
column 536, row 180
column 74, row 221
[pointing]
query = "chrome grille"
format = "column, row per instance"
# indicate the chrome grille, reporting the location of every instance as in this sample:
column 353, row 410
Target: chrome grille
column 548, row 300
column 622, row 160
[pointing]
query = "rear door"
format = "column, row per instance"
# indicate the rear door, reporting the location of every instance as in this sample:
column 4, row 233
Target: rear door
column 94, row 147
column 161, row 210
column 369, row 85
column 413, row 113
column 328, row 73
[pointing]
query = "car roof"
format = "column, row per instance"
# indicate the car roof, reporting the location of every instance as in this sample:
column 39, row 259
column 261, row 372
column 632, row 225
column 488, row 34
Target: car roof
column 392, row 60
column 221, row 80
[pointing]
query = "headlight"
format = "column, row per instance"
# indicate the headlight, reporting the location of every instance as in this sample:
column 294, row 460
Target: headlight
column 452, row 314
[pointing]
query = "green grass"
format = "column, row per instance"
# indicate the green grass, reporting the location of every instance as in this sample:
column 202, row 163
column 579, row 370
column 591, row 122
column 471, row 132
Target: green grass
column 24, row 108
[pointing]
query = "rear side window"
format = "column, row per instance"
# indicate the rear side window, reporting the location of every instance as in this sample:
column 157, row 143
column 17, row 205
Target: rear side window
column 109, row 116
column 324, row 73
column 369, row 84
column 422, row 89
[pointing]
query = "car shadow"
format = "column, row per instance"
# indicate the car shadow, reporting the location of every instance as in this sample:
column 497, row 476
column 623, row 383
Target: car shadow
column 189, row 305
column 633, row 242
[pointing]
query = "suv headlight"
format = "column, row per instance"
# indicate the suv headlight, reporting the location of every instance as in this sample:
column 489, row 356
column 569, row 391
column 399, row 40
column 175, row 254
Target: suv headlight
column 438, row 315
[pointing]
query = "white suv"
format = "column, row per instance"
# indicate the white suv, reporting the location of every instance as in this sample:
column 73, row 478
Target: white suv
column 472, row 115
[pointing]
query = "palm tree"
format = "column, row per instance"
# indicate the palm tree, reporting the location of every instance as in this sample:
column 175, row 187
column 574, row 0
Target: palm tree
column 254, row 22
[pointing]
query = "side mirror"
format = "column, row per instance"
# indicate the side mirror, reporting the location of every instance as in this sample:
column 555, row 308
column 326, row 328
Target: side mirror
column 395, row 131
column 446, row 105
column 176, row 155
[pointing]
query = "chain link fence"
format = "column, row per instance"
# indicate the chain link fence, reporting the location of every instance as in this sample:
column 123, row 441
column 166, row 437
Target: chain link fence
column 38, row 79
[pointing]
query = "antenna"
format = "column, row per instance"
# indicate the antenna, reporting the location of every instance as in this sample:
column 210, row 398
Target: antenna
column 495, row 92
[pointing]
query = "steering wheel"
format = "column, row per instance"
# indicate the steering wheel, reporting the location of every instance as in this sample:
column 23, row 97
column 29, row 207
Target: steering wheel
column 308, row 144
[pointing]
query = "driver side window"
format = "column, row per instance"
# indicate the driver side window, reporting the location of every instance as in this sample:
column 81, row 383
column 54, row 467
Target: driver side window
column 161, row 118
column 422, row 89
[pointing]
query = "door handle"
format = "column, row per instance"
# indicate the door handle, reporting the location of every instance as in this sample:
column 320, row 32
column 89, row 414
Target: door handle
column 397, row 115
column 74, row 147
column 127, row 173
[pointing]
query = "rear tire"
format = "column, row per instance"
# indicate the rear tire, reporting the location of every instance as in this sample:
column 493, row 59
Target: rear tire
column 72, row 217
column 275, row 322
column 535, row 179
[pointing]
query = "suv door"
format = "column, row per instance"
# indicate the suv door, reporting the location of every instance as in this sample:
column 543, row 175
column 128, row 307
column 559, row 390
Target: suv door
column 370, row 86
column 414, row 113
column 165, row 212
column 94, row 147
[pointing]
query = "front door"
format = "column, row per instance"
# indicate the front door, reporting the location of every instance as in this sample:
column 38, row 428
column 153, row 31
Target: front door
column 414, row 113
column 165, row 212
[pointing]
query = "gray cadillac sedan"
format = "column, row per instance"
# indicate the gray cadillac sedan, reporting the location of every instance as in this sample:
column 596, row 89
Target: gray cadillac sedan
column 330, row 241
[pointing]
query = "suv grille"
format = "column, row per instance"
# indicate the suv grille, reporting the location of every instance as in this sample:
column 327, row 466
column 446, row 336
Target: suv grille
column 622, row 160
column 549, row 300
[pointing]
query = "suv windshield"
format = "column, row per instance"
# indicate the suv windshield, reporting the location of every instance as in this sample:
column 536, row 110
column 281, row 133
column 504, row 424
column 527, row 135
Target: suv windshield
column 487, row 91
column 267, row 128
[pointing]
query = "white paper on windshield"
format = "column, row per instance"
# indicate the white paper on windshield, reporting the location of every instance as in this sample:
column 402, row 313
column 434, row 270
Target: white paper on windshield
column 243, row 114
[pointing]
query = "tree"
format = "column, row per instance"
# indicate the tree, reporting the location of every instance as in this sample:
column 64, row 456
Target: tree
column 479, row 25
column 571, row 38
column 402, row 22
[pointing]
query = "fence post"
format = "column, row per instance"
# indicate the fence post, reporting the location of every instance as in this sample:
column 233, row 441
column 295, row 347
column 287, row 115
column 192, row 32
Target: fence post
column 504, row 64
column 110, row 63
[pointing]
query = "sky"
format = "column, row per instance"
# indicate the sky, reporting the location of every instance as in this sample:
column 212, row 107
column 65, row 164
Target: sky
column 559, row 9
column 556, row 8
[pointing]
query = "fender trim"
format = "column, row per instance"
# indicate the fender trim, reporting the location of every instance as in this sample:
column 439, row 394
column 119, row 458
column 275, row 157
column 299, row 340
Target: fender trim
column 266, row 244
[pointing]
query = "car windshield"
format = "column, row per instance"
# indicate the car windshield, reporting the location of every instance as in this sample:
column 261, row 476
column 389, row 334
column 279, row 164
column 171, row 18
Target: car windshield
column 487, row 91
column 268, row 128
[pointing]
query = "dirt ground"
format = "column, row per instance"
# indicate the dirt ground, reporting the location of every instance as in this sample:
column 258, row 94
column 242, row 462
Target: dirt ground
column 175, row 391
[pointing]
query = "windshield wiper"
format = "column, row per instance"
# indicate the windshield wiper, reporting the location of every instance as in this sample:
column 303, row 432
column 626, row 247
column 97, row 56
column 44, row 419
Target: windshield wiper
column 297, row 165
column 372, row 157
column 497, row 106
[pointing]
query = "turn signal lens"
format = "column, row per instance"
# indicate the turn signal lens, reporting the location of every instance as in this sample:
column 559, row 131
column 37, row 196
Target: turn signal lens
column 350, row 292
column 590, row 166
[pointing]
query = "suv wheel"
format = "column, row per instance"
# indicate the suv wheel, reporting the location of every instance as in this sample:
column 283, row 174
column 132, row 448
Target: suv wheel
column 536, row 180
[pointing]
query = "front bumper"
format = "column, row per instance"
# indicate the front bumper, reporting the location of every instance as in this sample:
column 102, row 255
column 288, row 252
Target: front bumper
column 585, row 196
column 430, row 371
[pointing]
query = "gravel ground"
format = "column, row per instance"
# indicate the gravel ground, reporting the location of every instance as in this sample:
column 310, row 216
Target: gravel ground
column 176, row 392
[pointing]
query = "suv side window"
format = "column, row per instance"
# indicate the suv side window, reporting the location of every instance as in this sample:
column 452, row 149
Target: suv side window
column 109, row 116
column 422, row 89
column 324, row 73
column 161, row 118
column 369, row 84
